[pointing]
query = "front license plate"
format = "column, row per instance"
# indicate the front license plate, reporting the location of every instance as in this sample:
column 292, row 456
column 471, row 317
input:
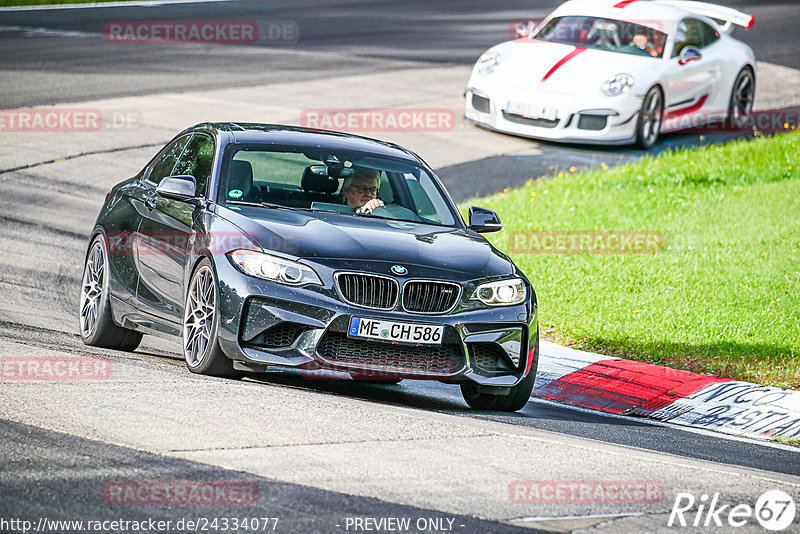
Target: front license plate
column 393, row 331
column 531, row 111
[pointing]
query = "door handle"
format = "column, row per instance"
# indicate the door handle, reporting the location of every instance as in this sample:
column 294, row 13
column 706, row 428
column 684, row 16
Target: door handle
column 150, row 202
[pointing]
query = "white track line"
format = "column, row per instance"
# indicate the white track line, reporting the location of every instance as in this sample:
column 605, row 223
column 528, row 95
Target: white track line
column 141, row 3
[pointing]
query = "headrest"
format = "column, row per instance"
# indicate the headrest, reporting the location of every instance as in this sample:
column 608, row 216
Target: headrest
column 240, row 177
column 317, row 183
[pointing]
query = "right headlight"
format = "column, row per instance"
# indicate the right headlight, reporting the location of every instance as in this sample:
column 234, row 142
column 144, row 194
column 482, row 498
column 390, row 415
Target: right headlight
column 501, row 293
column 274, row 268
column 487, row 63
column 618, row 84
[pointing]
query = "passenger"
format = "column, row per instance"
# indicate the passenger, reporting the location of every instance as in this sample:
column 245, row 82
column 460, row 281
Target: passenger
column 361, row 190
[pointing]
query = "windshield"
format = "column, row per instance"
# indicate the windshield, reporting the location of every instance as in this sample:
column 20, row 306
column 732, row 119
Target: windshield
column 319, row 179
column 605, row 34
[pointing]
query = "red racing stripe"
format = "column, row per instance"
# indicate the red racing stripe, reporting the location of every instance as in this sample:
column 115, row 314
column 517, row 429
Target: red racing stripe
column 624, row 3
column 685, row 111
column 624, row 386
column 578, row 50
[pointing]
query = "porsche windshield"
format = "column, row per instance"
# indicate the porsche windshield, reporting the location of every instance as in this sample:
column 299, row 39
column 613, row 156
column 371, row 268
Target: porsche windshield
column 330, row 180
column 605, row 34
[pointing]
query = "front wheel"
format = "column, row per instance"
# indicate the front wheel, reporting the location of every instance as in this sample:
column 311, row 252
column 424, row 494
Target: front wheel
column 516, row 399
column 97, row 328
column 201, row 348
column 648, row 126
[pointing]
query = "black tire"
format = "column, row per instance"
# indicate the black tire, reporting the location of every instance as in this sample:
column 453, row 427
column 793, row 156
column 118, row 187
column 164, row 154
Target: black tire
column 516, row 399
column 648, row 124
column 95, row 323
column 373, row 379
column 205, row 357
column 742, row 98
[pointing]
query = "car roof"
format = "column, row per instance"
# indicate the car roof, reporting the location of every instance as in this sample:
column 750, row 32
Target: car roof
column 280, row 134
column 638, row 11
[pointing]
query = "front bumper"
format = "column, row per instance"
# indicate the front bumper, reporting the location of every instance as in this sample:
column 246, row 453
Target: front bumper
column 265, row 325
column 606, row 121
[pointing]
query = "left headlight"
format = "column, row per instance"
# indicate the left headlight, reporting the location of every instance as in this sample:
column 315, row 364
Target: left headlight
column 274, row 268
column 501, row 293
column 618, row 84
column 488, row 62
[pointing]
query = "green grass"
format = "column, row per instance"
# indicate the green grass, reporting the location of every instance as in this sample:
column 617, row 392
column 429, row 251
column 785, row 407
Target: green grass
column 721, row 298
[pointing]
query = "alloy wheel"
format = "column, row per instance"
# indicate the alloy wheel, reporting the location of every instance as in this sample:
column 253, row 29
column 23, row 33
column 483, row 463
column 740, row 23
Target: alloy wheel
column 92, row 290
column 742, row 98
column 651, row 117
column 198, row 321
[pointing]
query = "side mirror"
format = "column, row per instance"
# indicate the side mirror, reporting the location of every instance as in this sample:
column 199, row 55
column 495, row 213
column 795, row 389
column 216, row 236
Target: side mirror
column 524, row 30
column 180, row 187
column 483, row 221
column 689, row 53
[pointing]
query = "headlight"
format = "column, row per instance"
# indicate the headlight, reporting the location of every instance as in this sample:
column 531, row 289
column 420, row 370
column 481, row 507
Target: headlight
column 502, row 293
column 274, row 268
column 618, row 84
column 487, row 63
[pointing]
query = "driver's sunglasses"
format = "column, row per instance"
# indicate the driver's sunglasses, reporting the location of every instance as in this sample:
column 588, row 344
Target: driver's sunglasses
column 363, row 189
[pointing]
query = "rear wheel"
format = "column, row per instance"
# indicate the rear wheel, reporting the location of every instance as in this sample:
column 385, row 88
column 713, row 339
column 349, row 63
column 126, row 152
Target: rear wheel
column 201, row 348
column 516, row 399
column 742, row 98
column 648, row 126
column 97, row 328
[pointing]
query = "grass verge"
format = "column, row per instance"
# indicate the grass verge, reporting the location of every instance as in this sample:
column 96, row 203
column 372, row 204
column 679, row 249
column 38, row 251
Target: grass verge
column 720, row 294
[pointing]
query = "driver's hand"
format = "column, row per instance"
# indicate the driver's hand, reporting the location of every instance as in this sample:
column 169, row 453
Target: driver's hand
column 371, row 205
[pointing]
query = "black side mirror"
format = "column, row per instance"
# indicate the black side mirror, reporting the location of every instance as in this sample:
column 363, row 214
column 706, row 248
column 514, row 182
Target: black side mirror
column 181, row 187
column 483, row 221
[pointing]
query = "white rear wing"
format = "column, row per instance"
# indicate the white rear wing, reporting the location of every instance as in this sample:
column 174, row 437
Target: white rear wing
column 727, row 14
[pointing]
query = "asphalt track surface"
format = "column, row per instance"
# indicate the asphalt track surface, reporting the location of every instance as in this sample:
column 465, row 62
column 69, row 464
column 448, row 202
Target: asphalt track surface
column 319, row 450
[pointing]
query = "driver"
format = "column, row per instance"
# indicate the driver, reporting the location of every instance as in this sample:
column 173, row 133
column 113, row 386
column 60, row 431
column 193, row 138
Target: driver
column 361, row 189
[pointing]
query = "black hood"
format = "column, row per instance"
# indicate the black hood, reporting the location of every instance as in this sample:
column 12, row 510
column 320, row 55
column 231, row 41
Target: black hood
column 333, row 239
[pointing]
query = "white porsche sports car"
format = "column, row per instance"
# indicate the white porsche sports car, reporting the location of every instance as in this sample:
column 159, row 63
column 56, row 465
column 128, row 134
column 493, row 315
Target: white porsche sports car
column 617, row 72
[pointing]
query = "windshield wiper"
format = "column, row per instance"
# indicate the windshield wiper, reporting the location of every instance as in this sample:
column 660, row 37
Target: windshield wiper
column 260, row 204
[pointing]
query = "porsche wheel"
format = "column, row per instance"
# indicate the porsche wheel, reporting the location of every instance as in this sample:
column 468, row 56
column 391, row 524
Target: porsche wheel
column 516, row 399
column 742, row 97
column 97, row 328
column 648, row 126
column 200, row 323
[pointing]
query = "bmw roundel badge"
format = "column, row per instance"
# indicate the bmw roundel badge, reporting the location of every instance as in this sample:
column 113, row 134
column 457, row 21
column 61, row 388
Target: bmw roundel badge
column 399, row 270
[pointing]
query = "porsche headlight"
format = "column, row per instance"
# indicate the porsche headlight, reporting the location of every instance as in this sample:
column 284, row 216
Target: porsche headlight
column 487, row 63
column 501, row 293
column 618, row 84
column 274, row 268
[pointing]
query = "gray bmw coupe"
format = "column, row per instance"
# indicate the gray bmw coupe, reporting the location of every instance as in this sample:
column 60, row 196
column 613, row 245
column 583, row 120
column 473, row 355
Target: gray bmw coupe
column 267, row 246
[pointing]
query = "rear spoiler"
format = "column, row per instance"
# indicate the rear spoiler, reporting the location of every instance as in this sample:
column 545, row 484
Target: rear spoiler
column 729, row 15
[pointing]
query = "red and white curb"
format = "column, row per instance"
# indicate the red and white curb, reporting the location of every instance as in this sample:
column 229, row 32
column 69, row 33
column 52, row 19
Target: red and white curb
column 626, row 387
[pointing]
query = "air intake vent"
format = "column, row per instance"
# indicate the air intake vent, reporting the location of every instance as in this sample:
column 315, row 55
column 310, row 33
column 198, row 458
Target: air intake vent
column 429, row 360
column 480, row 103
column 368, row 291
column 430, row 297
